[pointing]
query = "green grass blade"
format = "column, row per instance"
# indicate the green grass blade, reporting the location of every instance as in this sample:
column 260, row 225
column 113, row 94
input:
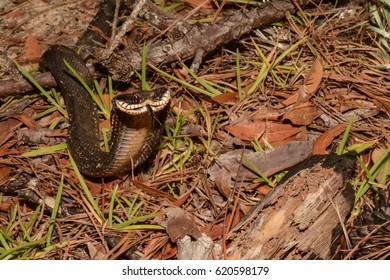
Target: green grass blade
column 32, row 220
column 41, row 89
column 204, row 83
column 378, row 165
column 144, row 84
column 46, row 150
column 188, row 85
column 91, row 92
column 21, row 247
column 84, row 186
column 3, row 241
column 44, row 113
column 55, row 211
column 136, row 220
column 340, row 148
column 105, row 139
column 101, row 96
column 258, row 171
column 111, row 206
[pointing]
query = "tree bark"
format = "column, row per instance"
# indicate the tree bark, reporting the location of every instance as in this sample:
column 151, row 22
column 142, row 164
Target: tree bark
column 302, row 217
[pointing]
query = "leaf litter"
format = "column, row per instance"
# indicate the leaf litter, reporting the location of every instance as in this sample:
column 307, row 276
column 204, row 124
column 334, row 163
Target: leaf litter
column 305, row 94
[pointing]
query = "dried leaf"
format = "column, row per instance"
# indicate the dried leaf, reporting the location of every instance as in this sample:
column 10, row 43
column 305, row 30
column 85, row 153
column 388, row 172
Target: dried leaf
column 148, row 188
column 5, row 172
column 313, row 79
column 268, row 162
column 48, row 120
column 5, row 149
column 26, row 120
column 269, row 114
column 5, row 206
column 214, row 231
column 229, row 98
column 180, row 200
column 223, row 181
column 32, row 49
column 325, row 139
column 263, row 190
column 96, row 252
column 170, row 250
column 301, row 114
column 8, row 128
column 272, row 132
column 290, row 100
column 94, row 187
column 179, row 224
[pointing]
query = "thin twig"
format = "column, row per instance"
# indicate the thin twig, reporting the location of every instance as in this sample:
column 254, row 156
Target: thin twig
column 124, row 28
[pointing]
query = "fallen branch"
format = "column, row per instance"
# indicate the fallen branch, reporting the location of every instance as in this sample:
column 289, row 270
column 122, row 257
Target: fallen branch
column 180, row 40
column 183, row 40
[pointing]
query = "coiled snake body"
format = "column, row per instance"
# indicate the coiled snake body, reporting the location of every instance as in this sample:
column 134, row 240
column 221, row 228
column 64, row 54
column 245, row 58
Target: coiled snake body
column 137, row 119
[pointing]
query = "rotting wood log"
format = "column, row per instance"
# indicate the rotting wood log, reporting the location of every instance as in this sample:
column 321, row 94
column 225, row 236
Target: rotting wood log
column 302, row 217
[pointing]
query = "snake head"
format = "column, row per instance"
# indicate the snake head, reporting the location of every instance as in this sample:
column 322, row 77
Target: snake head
column 143, row 101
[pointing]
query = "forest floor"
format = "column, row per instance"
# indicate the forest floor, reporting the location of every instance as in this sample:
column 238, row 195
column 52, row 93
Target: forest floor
column 322, row 77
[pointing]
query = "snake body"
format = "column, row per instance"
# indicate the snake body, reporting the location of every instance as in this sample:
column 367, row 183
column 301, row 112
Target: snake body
column 136, row 119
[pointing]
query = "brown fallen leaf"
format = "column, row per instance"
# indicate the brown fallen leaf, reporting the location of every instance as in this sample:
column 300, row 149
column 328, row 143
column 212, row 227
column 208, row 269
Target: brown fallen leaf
column 325, row 139
column 26, row 120
column 290, row 100
column 46, row 121
column 214, row 231
column 269, row 131
column 228, row 98
column 5, row 206
column 239, row 164
column 266, row 113
column 313, row 79
column 301, row 114
column 32, row 49
column 5, row 149
column 264, row 189
column 8, row 128
column 5, row 172
column 104, row 124
column 170, row 250
column 96, row 251
column 309, row 88
column 223, row 182
column 179, row 224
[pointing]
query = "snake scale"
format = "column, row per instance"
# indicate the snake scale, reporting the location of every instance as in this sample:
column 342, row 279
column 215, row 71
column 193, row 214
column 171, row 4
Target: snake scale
column 136, row 119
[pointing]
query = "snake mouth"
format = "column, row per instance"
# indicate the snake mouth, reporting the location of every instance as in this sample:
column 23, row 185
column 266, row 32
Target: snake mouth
column 143, row 101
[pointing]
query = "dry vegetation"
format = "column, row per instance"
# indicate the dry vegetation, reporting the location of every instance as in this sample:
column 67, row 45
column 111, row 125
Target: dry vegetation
column 303, row 78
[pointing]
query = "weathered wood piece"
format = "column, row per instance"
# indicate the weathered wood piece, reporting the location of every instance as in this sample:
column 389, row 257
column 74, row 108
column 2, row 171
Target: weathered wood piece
column 302, row 217
column 182, row 40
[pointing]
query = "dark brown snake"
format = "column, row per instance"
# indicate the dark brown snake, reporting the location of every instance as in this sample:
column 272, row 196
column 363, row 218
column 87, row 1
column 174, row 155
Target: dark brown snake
column 136, row 119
